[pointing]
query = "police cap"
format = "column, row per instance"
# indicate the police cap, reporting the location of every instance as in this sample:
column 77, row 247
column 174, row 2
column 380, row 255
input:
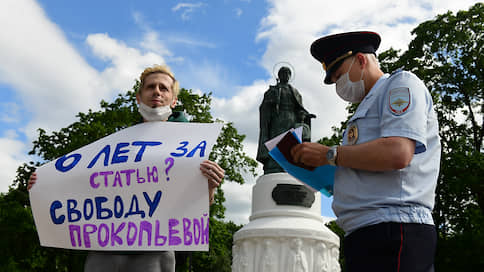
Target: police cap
column 333, row 49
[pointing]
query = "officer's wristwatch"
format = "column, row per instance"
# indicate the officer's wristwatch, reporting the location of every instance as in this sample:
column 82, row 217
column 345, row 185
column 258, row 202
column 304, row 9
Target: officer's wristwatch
column 332, row 154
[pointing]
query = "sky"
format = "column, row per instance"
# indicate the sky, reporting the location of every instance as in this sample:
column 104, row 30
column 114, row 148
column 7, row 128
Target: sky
column 58, row 58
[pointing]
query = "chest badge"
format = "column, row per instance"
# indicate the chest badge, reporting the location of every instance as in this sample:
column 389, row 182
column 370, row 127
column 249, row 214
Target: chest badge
column 399, row 100
column 352, row 134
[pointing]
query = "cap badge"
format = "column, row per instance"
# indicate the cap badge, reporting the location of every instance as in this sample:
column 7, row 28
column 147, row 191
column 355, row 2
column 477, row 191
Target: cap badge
column 352, row 134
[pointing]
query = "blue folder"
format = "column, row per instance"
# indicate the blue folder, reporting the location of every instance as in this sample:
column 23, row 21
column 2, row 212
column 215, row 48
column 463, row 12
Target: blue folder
column 318, row 179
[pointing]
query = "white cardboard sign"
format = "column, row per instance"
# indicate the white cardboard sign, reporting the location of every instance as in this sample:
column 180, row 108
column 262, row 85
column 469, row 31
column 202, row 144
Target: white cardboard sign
column 138, row 189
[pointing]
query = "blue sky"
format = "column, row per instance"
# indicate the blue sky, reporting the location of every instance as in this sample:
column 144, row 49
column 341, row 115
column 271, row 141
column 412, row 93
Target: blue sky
column 58, row 58
column 215, row 32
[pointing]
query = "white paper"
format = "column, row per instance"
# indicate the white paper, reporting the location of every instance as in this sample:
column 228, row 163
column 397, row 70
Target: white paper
column 104, row 204
column 274, row 141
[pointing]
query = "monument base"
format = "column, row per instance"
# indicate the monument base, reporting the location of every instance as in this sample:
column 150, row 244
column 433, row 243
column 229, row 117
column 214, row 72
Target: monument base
column 284, row 237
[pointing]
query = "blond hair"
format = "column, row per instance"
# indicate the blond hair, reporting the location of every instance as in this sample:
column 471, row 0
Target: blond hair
column 164, row 69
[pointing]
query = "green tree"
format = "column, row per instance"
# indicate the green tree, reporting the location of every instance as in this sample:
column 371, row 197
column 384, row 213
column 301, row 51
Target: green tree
column 20, row 249
column 447, row 54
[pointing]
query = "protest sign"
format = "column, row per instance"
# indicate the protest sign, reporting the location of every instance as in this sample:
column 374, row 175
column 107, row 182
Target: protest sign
column 138, row 189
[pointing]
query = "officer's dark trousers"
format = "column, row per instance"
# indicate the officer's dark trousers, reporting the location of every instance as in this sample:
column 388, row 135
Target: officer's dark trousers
column 402, row 247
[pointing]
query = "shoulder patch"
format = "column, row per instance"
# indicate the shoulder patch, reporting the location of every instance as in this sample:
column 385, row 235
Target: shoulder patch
column 399, row 100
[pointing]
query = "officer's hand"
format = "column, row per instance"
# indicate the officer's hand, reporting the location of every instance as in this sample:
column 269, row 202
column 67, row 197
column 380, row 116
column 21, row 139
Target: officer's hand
column 311, row 154
column 32, row 180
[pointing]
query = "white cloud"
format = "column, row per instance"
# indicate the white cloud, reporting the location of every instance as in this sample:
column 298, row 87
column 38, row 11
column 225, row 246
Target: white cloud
column 152, row 42
column 126, row 63
column 12, row 156
column 238, row 205
column 187, row 41
column 187, row 9
column 239, row 197
column 138, row 18
column 51, row 79
column 11, row 134
column 243, row 109
column 9, row 112
column 206, row 75
column 238, row 12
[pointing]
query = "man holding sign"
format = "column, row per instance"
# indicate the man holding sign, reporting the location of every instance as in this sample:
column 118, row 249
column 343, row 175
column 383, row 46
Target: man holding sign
column 157, row 96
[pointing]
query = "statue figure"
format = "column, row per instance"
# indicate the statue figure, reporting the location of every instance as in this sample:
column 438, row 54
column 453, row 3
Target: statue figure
column 297, row 259
column 281, row 110
column 335, row 257
column 322, row 258
column 244, row 259
column 268, row 260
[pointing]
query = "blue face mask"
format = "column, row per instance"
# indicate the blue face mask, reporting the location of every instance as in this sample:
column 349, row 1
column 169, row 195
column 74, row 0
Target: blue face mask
column 348, row 90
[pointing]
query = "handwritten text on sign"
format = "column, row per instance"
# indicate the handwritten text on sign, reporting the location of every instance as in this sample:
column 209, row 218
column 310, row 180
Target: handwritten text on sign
column 137, row 189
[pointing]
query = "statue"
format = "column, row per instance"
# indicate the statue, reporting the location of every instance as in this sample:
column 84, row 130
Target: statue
column 281, row 110
column 283, row 232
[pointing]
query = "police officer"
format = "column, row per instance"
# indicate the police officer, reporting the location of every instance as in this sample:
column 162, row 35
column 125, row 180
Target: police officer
column 388, row 163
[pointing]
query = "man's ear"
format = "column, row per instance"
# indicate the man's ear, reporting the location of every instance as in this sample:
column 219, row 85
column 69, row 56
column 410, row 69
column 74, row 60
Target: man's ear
column 362, row 60
column 173, row 104
column 137, row 97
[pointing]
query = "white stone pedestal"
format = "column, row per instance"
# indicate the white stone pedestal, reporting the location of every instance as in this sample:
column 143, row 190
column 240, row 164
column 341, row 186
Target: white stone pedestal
column 282, row 238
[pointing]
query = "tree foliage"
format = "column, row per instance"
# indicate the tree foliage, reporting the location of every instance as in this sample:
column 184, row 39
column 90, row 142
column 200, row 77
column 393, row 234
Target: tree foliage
column 20, row 249
column 447, row 54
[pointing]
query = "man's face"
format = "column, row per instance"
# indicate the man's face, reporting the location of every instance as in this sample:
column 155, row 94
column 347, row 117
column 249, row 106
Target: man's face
column 157, row 91
column 354, row 73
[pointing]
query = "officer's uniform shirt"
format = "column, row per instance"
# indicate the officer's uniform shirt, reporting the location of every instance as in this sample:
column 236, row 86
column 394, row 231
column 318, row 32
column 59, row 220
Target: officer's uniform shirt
column 397, row 105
